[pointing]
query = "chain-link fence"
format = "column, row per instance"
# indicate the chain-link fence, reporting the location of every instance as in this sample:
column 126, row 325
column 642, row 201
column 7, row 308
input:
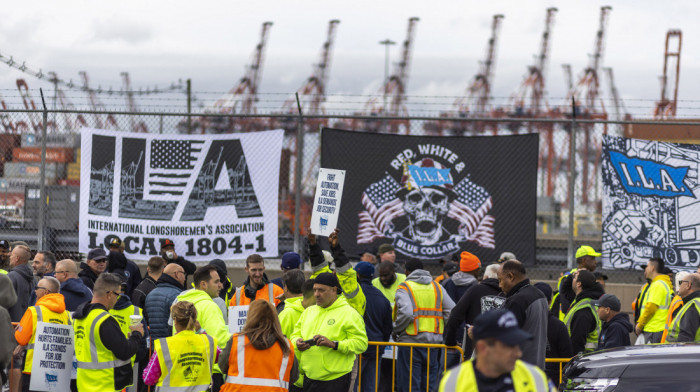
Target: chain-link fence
column 20, row 155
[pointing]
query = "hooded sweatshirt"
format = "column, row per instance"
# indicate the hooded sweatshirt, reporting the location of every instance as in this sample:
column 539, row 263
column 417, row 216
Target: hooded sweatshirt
column 208, row 314
column 87, row 275
column 75, row 293
column 290, row 315
column 469, row 306
column 337, row 322
column 22, row 278
column 615, row 332
column 404, row 310
column 583, row 321
column 458, row 284
column 8, row 297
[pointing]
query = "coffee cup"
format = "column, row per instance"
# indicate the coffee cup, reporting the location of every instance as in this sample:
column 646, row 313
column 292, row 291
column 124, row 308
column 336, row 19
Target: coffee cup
column 135, row 319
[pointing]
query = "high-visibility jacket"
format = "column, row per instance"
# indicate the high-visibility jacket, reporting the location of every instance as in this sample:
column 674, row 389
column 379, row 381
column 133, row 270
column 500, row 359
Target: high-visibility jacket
column 96, row 364
column 676, row 303
column 659, row 291
column 186, row 362
column 270, row 294
column 676, row 325
column 526, row 378
column 42, row 314
column 250, row 369
column 426, row 300
column 3, row 272
column 592, row 337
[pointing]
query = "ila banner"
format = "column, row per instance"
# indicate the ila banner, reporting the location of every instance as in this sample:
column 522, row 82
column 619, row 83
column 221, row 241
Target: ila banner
column 214, row 196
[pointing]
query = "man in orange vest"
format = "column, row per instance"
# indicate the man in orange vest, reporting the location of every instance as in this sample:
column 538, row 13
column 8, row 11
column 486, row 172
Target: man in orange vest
column 421, row 308
column 257, row 286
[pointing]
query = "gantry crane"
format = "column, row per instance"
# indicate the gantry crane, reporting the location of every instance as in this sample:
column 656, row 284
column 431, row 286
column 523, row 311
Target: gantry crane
column 666, row 108
column 242, row 98
column 28, row 101
column 618, row 105
column 64, row 103
column 134, row 124
column 97, row 105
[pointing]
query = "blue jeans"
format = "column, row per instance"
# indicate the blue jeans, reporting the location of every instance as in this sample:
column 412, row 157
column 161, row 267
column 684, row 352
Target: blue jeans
column 366, row 379
column 419, row 379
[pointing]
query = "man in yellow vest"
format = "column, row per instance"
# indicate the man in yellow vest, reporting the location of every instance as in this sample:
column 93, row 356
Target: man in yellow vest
column 103, row 353
column 654, row 304
column 122, row 312
column 686, row 325
column 497, row 366
column 388, row 280
column 582, row 320
column 585, row 259
column 421, row 308
column 49, row 308
column 676, row 303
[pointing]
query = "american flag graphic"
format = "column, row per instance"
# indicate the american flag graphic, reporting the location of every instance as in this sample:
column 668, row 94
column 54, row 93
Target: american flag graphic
column 470, row 209
column 171, row 165
column 381, row 207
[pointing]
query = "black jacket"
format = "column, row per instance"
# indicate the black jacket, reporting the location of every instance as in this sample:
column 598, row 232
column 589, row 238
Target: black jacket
column 583, row 322
column 690, row 323
column 616, row 332
column 87, row 276
column 22, row 278
column 558, row 346
column 377, row 316
column 531, row 310
column 467, row 309
column 147, row 285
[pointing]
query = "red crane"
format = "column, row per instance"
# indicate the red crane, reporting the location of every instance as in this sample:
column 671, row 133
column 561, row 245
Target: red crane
column 666, row 108
column 242, row 98
column 69, row 123
column 97, row 105
column 134, row 125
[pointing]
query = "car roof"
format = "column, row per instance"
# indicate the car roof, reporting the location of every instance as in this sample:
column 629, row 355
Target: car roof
column 638, row 354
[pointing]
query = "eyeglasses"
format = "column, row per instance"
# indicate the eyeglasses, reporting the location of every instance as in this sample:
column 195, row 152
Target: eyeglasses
column 115, row 293
column 61, row 272
column 41, row 288
column 179, row 272
column 680, row 282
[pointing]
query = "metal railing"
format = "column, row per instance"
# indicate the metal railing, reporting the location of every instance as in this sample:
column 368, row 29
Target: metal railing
column 561, row 362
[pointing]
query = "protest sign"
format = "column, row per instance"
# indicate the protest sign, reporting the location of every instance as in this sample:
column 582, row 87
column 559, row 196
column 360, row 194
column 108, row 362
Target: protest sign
column 329, row 191
column 53, row 357
column 237, row 315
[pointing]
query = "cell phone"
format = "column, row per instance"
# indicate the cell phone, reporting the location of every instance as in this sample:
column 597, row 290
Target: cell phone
column 310, row 342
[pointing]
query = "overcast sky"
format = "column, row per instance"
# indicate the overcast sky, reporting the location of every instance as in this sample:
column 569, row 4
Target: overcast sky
column 210, row 42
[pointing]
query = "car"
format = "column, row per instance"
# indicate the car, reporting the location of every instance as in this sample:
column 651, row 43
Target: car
column 656, row 367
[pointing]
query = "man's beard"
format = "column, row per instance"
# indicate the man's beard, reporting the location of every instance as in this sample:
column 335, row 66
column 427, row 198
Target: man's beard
column 386, row 286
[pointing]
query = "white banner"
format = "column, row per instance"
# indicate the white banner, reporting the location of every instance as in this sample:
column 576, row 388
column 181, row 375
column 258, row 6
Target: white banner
column 329, row 192
column 237, row 315
column 53, row 357
column 214, row 196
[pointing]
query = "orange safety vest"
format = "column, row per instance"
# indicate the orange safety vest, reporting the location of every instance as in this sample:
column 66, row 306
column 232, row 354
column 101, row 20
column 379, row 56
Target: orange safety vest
column 675, row 304
column 427, row 309
column 269, row 294
column 250, row 369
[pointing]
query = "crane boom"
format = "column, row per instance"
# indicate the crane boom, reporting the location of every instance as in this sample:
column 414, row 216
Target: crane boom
column 666, row 108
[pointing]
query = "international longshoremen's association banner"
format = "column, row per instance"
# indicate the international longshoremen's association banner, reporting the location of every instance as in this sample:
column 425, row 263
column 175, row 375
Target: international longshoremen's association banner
column 434, row 196
column 214, row 196
column 650, row 203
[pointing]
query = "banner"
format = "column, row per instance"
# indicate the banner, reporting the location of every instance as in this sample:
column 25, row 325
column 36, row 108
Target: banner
column 53, row 357
column 650, row 203
column 329, row 191
column 434, row 196
column 214, row 196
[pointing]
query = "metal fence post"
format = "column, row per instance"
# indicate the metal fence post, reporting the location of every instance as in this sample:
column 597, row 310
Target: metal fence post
column 297, row 178
column 189, row 106
column 42, row 177
column 572, row 186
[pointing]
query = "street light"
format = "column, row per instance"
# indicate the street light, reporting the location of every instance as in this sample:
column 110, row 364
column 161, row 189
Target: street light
column 387, row 43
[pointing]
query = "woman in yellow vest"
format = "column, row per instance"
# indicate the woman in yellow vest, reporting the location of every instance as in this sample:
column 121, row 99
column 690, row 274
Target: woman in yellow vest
column 182, row 362
column 260, row 358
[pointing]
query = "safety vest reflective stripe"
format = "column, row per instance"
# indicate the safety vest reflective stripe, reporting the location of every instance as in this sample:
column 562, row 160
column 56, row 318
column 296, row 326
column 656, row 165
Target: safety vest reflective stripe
column 523, row 375
column 240, row 379
column 270, row 296
column 259, row 382
column 58, row 318
column 592, row 337
column 675, row 330
column 169, row 365
column 39, row 319
column 540, row 383
column 353, row 294
column 94, row 364
column 419, row 313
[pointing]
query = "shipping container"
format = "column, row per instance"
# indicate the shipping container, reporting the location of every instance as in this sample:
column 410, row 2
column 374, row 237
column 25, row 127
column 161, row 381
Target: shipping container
column 33, row 170
column 33, row 154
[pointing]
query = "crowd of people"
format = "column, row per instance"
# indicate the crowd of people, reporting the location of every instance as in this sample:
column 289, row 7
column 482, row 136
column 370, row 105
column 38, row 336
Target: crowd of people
column 171, row 331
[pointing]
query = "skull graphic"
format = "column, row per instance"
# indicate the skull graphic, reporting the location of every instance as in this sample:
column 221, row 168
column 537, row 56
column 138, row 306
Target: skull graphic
column 426, row 209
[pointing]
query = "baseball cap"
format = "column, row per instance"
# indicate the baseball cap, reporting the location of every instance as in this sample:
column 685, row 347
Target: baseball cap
column 383, row 248
column 586, row 250
column 291, row 260
column 166, row 242
column 97, row 254
column 600, row 275
column 500, row 324
column 468, row 262
column 328, row 279
column 586, row 278
column 364, row 268
column 545, row 289
column 115, row 242
column 450, row 268
column 4, row 244
column 505, row 256
column 609, row 301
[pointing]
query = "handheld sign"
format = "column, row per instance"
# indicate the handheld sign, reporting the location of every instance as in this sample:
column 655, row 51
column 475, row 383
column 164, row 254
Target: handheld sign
column 53, row 357
column 329, row 192
column 237, row 315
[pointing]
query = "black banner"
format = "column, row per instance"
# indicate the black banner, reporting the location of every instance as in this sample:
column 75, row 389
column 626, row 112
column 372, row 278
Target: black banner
column 433, row 196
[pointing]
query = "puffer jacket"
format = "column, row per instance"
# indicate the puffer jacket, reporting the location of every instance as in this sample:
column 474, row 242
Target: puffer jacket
column 158, row 304
column 75, row 293
column 458, row 284
column 22, row 278
column 7, row 337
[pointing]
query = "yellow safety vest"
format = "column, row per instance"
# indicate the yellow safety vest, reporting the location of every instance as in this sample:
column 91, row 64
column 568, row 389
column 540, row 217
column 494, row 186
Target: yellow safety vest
column 123, row 319
column 42, row 314
column 389, row 292
column 186, row 362
column 658, row 320
column 592, row 337
column 3, row 272
column 96, row 364
column 676, row 325
column 426, row 300
column 676, row 303
column 525, row 378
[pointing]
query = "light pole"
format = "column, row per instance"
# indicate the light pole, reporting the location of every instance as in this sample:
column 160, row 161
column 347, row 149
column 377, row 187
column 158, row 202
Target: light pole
column 387, row 43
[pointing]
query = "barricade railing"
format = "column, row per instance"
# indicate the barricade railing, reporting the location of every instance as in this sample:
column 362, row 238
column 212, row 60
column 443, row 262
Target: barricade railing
column 561, row 362
column 410, row 364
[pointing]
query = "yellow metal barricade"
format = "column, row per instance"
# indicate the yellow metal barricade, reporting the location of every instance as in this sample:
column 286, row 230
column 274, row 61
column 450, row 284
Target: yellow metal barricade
column 410, row 366
column 561, row 362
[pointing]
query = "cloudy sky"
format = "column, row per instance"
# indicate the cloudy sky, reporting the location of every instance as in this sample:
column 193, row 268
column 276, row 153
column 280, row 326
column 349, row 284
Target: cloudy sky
column 210, row 42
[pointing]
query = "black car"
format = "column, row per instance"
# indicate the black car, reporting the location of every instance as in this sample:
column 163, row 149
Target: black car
column 660, row 367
